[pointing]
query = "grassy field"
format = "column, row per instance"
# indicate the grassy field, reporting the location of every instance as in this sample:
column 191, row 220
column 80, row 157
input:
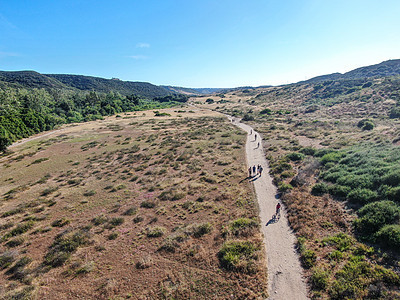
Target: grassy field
column 333, row 153
column 143, row 205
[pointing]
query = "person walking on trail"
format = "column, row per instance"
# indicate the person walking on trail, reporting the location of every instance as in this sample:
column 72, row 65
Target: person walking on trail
column 260, row 171
column 249, row 171
column 251, row 131
column 258, row 145
column 278, row 209
column 254, row 169
column 255, row 137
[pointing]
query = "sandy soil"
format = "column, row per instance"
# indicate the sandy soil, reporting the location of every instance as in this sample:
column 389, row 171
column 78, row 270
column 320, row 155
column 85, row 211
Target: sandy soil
column 285, row 280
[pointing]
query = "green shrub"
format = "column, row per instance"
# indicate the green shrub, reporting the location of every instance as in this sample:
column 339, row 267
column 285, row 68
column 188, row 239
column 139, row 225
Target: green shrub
column 366, row 124
column 319, row 278
column 7, row 258
column 64, row 245
column 295, row 156
column 374, row 216
column 308, row 258
column 116, row 222
column 284, row 187
column 389, row 236
column 340, row 241
column 339, row 190
column 242, row 226
column 130, row 211
column 148, row 204
column 113, row 236
column 20, row 229
column 60, row 222
column 155, row 231
column 238, row 256
column 320, row 189
column 198, row 230
column 331, row 157
column 362, row 196
column 308, row 151
column 99, row 220
column 15, row 242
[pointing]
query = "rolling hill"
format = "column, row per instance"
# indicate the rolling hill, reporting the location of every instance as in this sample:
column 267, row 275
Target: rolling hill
column 32, row 79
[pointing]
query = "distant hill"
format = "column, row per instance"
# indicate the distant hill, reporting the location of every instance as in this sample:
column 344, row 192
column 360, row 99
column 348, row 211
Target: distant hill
column 32, row 79
column 86, row 83
column 383, row 69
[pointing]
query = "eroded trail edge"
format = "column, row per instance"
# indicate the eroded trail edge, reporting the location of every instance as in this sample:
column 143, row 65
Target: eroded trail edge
column 285, row 279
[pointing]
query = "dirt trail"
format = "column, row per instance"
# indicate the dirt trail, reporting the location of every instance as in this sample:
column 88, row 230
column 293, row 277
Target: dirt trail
column 285, row 280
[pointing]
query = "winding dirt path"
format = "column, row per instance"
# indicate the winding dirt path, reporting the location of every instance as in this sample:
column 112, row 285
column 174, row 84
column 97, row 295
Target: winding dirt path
column 285, row 280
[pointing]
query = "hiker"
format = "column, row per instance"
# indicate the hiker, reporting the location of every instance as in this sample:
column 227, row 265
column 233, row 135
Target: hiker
column 260, row 171
column 255, row 136
column 254, row 169
column 278, row 208
column 249, row 171
column 251, row 131
column 258, row 145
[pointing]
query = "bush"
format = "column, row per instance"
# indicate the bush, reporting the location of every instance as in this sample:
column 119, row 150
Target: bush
column 308, row 258
column 340, row 241
column 238, row 256
column 374, row 216
column 64, row 245
column 331, row 157
column 319, row 278
column 295, row 156
column 362, row 196
column 284, row 187
column 60, row 222
column 155, row 231
column 395, row 113
column 389, row 236
column 198, row 230
column 366, row 124
column 242, row 226
column 339, row 190
column 320, row 189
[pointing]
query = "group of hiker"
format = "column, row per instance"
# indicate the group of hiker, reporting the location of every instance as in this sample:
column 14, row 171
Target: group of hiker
column 255, row 170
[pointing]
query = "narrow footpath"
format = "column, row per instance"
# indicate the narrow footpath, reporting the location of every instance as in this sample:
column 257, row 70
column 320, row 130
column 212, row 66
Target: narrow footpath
column 285, row 280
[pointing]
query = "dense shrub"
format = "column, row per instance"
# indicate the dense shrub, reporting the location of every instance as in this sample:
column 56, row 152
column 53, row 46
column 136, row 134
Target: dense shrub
column 308, row 258
column 366, row 124
column 389, row 236
column 320, row 189
column 295, row 156
column 375, row 215
column 238, row 256
column 362, row 196
column 319, row 278
column 64, row 245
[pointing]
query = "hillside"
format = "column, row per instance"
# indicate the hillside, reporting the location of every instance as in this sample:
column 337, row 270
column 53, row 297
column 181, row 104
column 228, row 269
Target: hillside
column 383, row 69
column 89, row 83
column 333, row 149
column 31, row 79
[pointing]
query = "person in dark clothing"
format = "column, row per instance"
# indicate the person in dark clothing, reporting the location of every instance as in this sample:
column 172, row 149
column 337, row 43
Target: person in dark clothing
column 278, row 209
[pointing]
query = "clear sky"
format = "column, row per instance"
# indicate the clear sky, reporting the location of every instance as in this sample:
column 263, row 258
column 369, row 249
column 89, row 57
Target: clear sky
column 207, row 43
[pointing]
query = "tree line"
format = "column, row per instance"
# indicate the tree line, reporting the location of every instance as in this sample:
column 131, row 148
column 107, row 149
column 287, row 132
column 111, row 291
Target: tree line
column 24, row 112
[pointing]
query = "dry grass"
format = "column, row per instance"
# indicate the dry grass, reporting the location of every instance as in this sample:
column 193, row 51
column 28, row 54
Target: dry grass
column 111, row 193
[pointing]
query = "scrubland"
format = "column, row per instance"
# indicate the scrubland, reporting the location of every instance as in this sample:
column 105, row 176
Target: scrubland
column 145, row 205
column 333, row 150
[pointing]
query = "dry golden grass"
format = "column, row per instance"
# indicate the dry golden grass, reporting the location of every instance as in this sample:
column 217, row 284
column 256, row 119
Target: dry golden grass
column 98, row 200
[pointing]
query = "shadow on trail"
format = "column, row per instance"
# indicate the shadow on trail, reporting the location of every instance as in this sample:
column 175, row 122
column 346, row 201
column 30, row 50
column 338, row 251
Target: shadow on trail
column 250, row 178
column 275, row 218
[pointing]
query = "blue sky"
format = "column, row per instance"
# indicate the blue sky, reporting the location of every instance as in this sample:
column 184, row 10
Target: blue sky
column 208, row 43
